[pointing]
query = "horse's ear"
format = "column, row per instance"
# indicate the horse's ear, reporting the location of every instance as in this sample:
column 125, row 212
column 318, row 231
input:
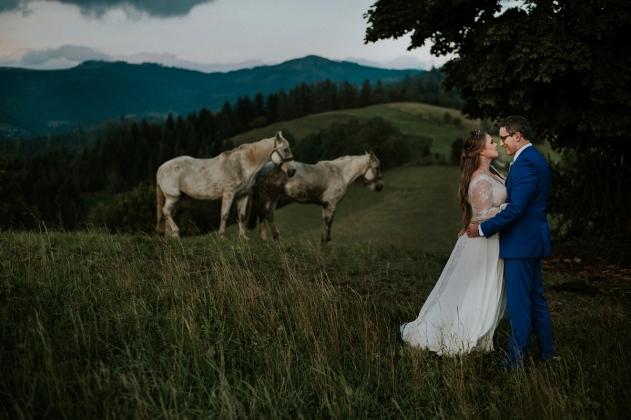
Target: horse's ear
column 279, row 135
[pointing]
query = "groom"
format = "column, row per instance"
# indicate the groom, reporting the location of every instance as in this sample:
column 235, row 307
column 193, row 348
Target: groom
column 524, row 240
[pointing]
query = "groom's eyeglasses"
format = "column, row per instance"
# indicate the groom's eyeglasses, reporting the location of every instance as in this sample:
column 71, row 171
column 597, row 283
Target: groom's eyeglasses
column 507, row 136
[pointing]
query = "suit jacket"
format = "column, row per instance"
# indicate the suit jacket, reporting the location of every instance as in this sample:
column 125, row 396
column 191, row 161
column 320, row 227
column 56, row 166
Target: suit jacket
column 525, row 232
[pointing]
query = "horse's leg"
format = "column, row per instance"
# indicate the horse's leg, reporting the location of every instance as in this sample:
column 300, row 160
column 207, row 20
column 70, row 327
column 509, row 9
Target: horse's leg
column 226, row 203
column 262, row 216
column 270, row 219
column 242, row 209
column 327, row 219
column 169, row 209
column 160, row 199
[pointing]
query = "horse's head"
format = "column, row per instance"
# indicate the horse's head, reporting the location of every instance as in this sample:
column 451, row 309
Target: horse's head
column 372, row 176
column 281, row 155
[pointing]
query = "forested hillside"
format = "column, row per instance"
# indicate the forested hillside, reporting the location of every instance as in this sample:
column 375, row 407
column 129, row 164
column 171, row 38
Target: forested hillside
column 38, row 100
column 59, row 179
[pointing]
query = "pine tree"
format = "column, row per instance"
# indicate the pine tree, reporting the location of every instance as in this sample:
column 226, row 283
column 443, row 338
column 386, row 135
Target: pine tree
column 379, row 95
column 282, row 107
column 365, row 95
column 348, row 95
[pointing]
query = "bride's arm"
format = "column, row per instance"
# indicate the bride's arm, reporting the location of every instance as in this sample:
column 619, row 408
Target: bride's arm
column 480, row 198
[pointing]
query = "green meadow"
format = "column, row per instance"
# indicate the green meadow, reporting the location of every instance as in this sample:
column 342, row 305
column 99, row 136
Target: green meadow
column 95, row 325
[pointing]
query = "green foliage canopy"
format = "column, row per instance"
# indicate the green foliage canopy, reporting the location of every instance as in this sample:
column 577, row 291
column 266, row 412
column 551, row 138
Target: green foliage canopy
column 564, row 65
column 14, row 212
column 355, row 138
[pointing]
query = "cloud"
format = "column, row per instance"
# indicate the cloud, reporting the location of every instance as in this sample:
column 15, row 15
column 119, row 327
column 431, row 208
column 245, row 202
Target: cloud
column 97, row 8
column 171, row 60
column 68, row 56
column 9, row 5
column 68, row 53
column 10, row 51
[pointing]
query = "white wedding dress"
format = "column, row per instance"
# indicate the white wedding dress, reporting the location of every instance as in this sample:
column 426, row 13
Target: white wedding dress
column 464, row 308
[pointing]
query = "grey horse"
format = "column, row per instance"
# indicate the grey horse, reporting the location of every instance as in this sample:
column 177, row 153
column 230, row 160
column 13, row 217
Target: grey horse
column 324, row 183
column 228, row 176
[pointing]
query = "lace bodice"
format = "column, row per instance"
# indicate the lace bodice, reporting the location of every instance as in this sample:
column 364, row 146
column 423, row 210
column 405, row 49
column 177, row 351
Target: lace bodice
column 487, row 197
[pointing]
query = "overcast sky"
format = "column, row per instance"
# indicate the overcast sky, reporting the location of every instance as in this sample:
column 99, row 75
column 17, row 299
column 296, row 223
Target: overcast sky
column 206, row 35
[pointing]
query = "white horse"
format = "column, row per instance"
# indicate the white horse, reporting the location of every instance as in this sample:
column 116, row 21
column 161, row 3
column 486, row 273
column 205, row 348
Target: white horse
column 228, row 176
column 324, row 183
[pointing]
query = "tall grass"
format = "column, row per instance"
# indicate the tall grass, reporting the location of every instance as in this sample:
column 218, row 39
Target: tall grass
column 99, row 326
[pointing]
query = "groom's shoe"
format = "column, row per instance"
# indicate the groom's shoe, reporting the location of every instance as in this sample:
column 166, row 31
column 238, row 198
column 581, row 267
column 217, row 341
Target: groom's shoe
column 508, row 365
column 549, row 362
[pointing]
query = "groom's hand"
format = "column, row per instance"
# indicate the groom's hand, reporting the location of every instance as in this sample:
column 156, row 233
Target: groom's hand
column 472, row 230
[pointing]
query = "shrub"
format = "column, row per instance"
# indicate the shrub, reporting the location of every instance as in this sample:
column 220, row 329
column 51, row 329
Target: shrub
column 133, row 211
column 15, row 213
column 394, row 152
column 354, row 138
column 591, row 194
column 456, row 151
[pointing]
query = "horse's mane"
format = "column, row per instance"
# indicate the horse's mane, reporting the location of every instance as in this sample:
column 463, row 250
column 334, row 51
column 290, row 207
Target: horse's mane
column 337, row 161
column 245, row 147
column 248, row 145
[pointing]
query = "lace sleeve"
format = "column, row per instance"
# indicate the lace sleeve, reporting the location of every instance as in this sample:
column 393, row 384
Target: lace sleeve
column 480, row 198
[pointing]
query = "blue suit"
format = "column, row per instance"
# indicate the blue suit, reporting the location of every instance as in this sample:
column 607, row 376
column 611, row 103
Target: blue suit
column 524, row 240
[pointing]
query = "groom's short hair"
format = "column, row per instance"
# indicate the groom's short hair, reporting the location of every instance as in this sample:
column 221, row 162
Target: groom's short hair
column 516, row 123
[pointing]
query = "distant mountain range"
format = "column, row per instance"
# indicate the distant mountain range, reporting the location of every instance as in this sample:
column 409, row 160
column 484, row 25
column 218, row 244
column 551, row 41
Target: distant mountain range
column 38, row 100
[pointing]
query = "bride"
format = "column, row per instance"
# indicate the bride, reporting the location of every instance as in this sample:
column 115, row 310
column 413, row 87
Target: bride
column 462, row 311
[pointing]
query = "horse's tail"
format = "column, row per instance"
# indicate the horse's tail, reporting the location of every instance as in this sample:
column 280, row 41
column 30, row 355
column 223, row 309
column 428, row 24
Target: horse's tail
column 160, row 200
column 254, row 204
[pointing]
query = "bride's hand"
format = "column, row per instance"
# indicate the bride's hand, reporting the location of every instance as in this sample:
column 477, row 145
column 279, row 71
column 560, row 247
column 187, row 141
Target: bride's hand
column 472, row 230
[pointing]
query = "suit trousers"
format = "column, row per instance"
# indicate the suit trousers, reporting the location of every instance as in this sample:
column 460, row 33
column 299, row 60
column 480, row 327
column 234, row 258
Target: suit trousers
column 526, row 308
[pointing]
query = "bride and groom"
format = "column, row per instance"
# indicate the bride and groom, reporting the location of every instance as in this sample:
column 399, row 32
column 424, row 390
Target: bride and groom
column 496, row 265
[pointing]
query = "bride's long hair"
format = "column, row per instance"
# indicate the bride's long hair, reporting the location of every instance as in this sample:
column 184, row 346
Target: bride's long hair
column 474, row 143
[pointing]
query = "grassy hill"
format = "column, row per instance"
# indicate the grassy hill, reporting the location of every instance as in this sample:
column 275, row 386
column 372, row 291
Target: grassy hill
column 415, row 120
column 419, row 122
